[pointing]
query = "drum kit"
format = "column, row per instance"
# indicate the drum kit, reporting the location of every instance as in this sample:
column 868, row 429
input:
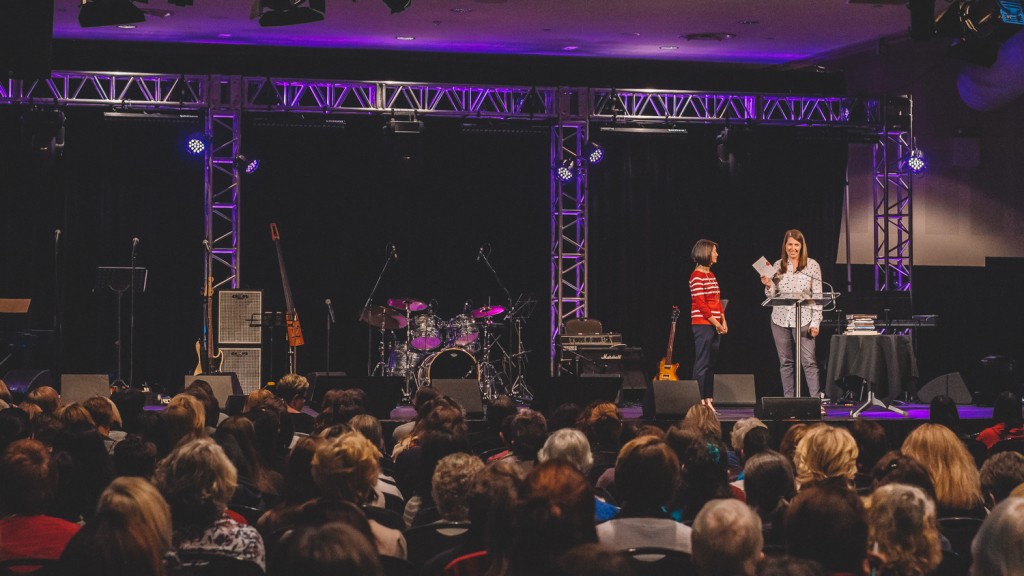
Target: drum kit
column 434, row 348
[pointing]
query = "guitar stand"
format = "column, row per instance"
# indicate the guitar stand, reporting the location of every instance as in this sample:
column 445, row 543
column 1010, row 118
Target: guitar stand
column 872, row 401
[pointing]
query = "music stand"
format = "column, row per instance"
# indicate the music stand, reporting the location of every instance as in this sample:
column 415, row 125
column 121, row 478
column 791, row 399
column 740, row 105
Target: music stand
column 120, row 279
column 798, row 301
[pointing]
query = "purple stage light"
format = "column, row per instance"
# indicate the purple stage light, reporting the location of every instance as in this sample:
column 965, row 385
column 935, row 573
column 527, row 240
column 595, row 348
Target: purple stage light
column 252, row 166
column 594, row 153
column 916, row 161
column 196, row 144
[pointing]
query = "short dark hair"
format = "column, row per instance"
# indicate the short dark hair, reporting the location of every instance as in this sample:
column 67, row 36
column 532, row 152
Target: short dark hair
column 647, row 474
column 701, row 252
column 28, row 476
column 826, row 522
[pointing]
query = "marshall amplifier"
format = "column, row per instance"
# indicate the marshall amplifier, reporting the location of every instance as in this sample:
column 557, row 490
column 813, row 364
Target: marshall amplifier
column 625, row 361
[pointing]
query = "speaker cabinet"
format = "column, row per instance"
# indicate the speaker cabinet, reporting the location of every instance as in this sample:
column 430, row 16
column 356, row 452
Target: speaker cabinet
column 464, row 391
column 81, row 387
column 247, row 364
column 224, row 384
column 626, row 362
column 735, row 389
column 673, row 398
column 951, row 385
column 237, row 311
column 785, row 408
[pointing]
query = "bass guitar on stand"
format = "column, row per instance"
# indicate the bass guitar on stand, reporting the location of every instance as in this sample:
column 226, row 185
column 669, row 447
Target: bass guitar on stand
column 210, row 360
column 295, row 338
column 666, row 369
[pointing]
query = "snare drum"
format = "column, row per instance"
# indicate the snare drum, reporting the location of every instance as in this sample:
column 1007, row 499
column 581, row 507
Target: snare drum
column 402, row 361
column 454, row 363
column 425, row 332
column 462, row 331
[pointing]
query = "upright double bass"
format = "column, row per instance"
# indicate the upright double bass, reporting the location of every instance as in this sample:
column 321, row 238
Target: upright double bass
column 291, row 316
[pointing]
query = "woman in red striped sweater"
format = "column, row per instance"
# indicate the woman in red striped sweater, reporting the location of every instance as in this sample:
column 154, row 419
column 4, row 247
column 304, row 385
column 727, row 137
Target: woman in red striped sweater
column 707, row 317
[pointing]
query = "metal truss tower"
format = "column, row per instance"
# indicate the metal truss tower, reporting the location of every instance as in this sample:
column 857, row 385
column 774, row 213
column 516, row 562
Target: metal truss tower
column 569, row 245
column 893, row 194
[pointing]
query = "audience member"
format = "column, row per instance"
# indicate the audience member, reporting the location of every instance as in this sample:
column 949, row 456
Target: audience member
column 903, row 530
column 951, row 468
column 85, row 470
column 202, row 391
column 783, row 565
column 727, row 539
column 333, row 549
column 647, row 475
column 998, row 548
column 298, row 487
column 601, row 422
column 593, row 560
column 293, row 389
column 825, row 454
column 129, row 535
column 28, row 481
column 871, row 446
column 134, row 456
column 74, row 413
column 528, row 431
column 999, row 475
column 107, row 418
column 256, row 399
column 793, row 435
column 770, row 485
column 131, row 403
column 705, row 419
column 897, row 468
column 1009, row 425
column 198, row 480
column 14, row 425
column 490, row 439
column 826, row 523
column 258, row 486
column 423, row 396
column 453, row 476
column 566, row 415
column 46, row 398
column 705, row 478
column 570, row 445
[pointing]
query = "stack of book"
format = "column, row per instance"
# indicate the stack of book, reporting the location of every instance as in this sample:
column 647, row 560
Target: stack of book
column 861, row 324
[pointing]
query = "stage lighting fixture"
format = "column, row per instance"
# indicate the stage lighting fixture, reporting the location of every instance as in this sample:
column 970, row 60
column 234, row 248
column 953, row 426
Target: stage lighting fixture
column 288, row 12
column 247, row 164
column 94, row 13
column 615, row 105
column 197, row 144
column 397, row 6
column 532, row 103
column 593, row 152
column 726, row 158
column 567, row 170
column 916, row 161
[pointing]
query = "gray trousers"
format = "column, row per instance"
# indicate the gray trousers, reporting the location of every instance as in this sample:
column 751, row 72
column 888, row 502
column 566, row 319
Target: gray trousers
column 785, row 346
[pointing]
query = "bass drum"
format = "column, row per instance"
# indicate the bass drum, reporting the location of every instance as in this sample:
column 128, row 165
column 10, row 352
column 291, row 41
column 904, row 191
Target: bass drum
column 453, row 363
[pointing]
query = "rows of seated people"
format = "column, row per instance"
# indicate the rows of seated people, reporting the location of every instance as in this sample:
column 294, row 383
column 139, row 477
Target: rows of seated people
column 106, row 487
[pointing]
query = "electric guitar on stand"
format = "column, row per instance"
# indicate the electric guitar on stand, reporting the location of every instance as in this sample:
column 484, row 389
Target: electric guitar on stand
column 210, row 360
column 666, row 369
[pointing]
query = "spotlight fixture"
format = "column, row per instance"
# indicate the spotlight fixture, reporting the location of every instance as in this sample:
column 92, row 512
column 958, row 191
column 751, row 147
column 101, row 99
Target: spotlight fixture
column 287, row 12
column 397, row 6
column 915, row 161
column 567, row 170
column 94, row 13
column 593, row 152
column 246, row 164
column 532, row 103
column 197, row 144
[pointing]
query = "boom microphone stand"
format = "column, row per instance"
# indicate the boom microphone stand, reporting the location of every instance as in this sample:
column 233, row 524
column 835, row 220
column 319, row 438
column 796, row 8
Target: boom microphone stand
column 391, row 255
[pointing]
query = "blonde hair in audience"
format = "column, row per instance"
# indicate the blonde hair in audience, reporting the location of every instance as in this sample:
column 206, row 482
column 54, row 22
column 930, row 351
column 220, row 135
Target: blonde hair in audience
column 197, row 474
column 902, row 522
column 74, row 413
column 705, row 419
column 143, row 508
column 346, row 467
column 46, row 398
column 255, row 399
column 824, row 453
column 951, row 467
column 195, row 408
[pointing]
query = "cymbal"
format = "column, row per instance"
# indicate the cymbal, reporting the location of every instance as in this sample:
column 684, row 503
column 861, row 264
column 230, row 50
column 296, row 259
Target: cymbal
column 406, row 303
column 487, row 311
column 382, row 317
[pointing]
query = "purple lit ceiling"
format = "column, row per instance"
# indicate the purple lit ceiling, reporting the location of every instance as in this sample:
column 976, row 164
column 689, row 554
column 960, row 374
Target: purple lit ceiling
column 766, row 31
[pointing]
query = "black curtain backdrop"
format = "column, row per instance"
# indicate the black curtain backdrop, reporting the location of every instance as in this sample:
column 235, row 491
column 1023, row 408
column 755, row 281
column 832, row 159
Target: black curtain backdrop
column 656, row 195
column 339, row 196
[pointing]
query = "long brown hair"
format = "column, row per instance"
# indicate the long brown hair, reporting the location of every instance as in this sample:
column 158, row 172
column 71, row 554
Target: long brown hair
column 802, row 261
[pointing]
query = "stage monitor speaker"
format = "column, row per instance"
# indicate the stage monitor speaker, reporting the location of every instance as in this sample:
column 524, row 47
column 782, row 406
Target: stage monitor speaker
column 319, row 384
column 382, row 392
column 237, row 312
column 464, row 391
column 20, row 382
column 673, row 398
column 735, row 389
column 581, row 390
column 627, row 362
column 224, row 384
column 951, row 385
column 26, row 38
column 81, row 387
column 786, row 408
column 247, row 363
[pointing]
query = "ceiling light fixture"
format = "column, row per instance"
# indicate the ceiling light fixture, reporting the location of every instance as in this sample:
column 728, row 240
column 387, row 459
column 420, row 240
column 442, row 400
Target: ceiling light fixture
column 397, row 6
column 94, row 13
column 287, row 12
column 405, row 38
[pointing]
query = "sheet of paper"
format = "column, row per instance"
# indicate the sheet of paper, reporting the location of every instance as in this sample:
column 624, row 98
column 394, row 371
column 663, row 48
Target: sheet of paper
column 763, row 267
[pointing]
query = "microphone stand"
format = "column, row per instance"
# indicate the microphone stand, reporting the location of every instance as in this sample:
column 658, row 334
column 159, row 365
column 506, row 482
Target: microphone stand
column 131, row 322
column 58, row 300
column 369, row 302
column 330, row 320
column 518, row 389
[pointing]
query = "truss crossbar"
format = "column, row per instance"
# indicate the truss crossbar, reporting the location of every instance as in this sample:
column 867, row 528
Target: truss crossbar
column 108, row 89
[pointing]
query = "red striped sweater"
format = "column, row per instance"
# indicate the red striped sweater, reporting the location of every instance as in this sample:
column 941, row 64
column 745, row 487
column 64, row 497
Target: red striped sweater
column 707, row 299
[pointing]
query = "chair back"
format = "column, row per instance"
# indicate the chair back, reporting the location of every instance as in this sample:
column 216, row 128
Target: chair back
column 654, row 561
column 385, row 517
column 251, row 515
column 425, row 542
column 952, row 565
column 960, row 532
column 213, row 564
column 34, row 566
column 473, row 564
